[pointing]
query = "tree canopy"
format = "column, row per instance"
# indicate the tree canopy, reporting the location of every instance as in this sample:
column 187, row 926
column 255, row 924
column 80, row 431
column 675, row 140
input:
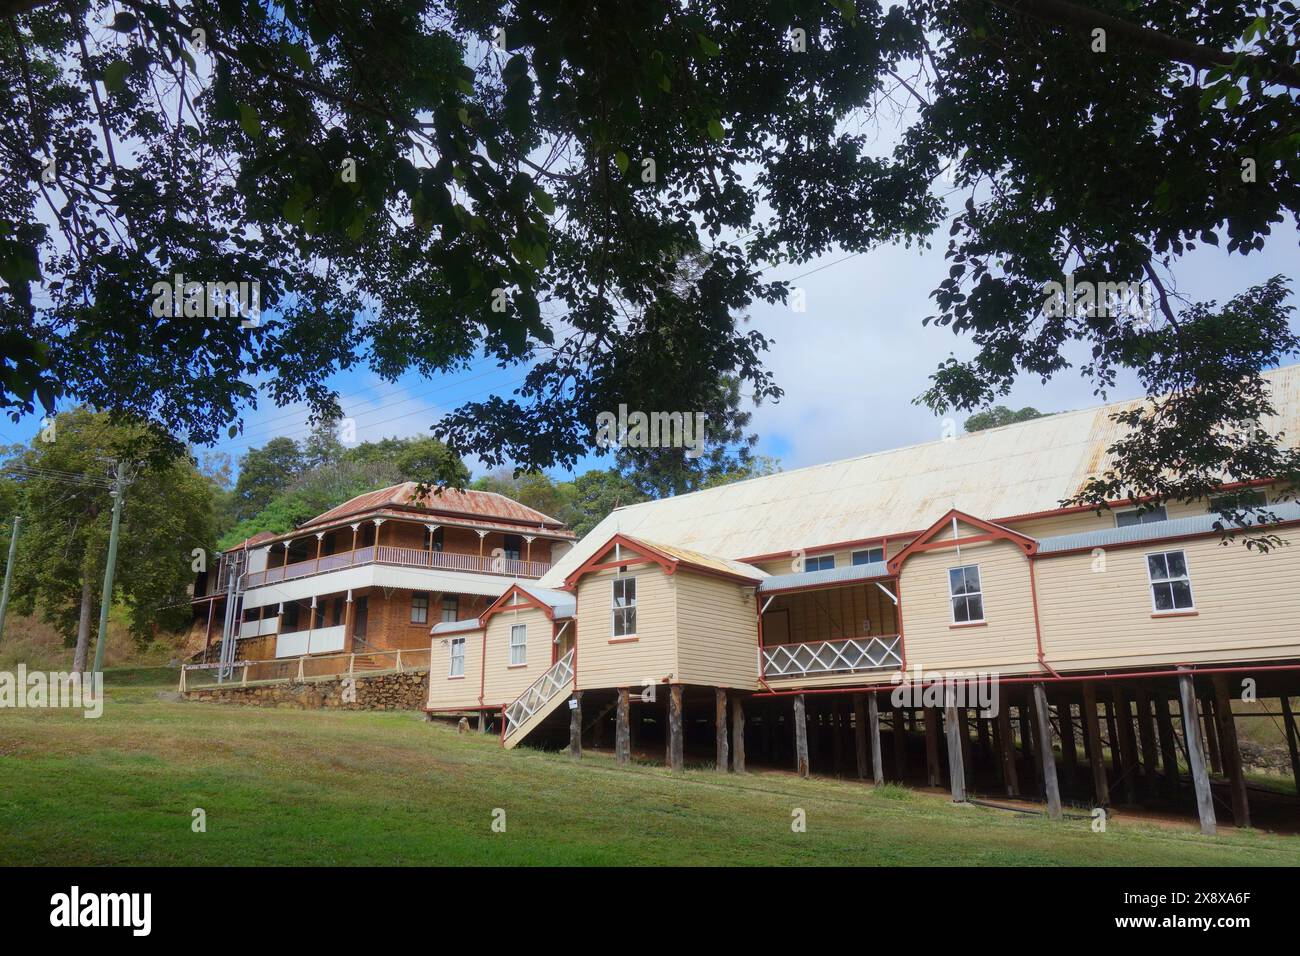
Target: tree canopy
column 999, row 415
column 413, row 184
column 65, row 502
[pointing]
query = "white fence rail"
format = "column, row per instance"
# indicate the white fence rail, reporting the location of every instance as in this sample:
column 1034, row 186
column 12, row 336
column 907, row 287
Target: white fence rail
column 829, row 657
column 401, row 557
column 301, row 669
column 555, row 681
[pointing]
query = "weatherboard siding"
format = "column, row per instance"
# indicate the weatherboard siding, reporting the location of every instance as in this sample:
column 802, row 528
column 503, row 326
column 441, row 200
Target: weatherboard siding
column 1005, row 642
column 1245, row 605
column 505, row 682
column 652, row 657
column 447, row 692
column 717, row 632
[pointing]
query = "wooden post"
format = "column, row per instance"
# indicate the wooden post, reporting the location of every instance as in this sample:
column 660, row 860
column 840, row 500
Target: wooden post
column 1292, row 739
column 1030, row 731
column 675, row 758
column 1069, row 747
column 575, row 726
column 1168, row 745
column 482, row 722
column 622, row 732
column 900, row 745
column 1210, row 725
column 1050, row 786
column 737, row 734
column 860, row 733
column 877, row 758
column 1116, row 768
column 836, row 718
column 963, row 726
column 720, row 729
column 956, row 760
column 1227, row 728
column 1196, row 754
column 800, row 736
column 1147, row 739
column 1127, row 743
column 933, row 772
column 1006, row 747
column 1096, row 759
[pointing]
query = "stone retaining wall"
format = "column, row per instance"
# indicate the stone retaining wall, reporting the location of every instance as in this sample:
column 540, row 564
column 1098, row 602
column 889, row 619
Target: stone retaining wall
column 406, row 691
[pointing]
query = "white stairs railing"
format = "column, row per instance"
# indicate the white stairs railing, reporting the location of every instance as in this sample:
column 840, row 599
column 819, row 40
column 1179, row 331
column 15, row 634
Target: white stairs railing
column 531, row 707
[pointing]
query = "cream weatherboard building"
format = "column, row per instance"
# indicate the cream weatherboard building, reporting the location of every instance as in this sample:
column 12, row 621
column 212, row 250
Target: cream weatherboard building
column 776, row 620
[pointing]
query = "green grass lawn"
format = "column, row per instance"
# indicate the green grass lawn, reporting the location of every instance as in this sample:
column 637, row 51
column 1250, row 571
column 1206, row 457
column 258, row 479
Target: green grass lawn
column 325, row 787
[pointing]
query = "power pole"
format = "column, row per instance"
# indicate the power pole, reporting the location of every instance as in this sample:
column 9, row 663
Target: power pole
column 9, row 573
column 119, row 487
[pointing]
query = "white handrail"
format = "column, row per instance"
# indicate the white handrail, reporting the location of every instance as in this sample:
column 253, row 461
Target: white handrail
column 541, row 691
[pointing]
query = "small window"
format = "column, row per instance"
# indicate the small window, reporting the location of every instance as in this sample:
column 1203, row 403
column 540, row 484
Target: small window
column 819, row 562
column 869, row 556
column 1171, row 587
column 518, row 644
column 451, row 608
column 419, row 608
column 965, row 593
column 457, row 668
column 1242, row 501
column 1124, row 519
column 624, row 607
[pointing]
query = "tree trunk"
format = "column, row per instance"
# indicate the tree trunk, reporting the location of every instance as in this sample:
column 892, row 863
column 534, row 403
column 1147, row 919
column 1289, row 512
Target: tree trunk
column 83, row 624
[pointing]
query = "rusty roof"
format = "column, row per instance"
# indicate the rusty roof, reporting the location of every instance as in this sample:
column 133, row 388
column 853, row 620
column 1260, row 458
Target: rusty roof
column 446, row 501
column 997, row 474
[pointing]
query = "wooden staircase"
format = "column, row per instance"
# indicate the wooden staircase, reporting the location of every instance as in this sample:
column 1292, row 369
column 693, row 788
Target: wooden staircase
column 530, row 708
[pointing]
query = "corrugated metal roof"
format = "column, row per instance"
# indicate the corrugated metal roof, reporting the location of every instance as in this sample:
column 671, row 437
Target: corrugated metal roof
column 1155, row 530
column 561, row 603
column 455, row 627
column 482, row 504
column 699, row 559
column 996, row 474
column 827, row 578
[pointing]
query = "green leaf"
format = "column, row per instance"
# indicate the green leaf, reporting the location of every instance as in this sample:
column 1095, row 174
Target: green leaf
column 115, row 75
column 621, row 161
column 716, row 130
column 544, row 201
column 124, row 22
column 710, row 47
column 249, row 121
column 298, row 53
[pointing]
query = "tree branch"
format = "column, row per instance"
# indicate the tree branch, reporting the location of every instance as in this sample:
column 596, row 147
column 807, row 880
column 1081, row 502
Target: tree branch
column 1065, row 14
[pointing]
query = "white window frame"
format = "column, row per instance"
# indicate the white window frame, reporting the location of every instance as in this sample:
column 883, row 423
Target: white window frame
column 818, row 558
column 455, row 608
column 1209, row 505
column 1127, row 511
column 521, row 647
column 1152, row 582
column 453, row 658
column 952, row 607
column 614, row 608
column 853, row 556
